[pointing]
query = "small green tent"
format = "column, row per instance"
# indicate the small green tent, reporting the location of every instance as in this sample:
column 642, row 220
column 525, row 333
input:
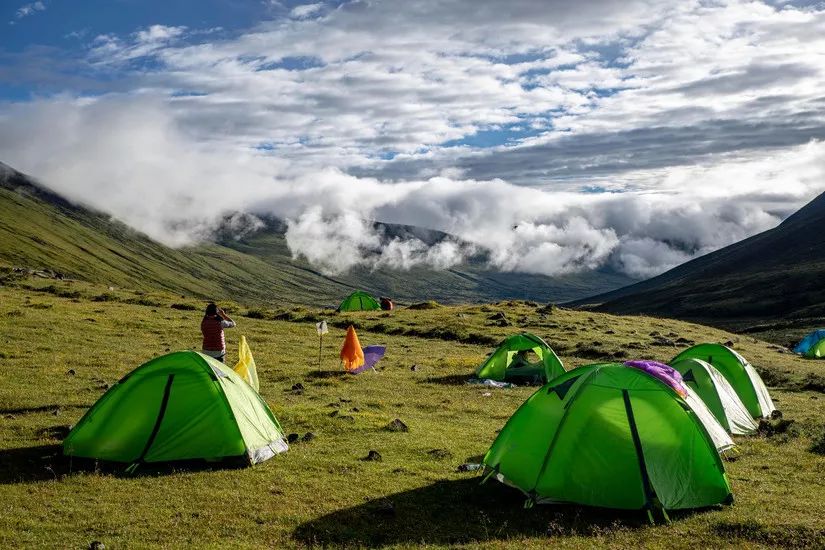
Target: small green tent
column 507, row 362
column 609, row 436
column 359, row 301
column 813, row 345
column 717, row 393
column 179, row 406
column 742, row 376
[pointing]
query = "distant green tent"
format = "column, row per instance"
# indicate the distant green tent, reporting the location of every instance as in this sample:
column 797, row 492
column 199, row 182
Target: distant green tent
column 509, row 362
column 359, row 301
column 717, row 393
column 742, row 376
column 179, row 406
column 610, row 436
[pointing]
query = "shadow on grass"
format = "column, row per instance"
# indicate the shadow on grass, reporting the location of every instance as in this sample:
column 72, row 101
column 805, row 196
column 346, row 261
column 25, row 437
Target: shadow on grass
column 47, row 462
column 458, row 512
column 30, row 410
column 447, row 380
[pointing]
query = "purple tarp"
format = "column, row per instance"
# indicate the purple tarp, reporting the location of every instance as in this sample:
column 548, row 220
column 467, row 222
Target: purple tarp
column 665, row 373
column 371, row 356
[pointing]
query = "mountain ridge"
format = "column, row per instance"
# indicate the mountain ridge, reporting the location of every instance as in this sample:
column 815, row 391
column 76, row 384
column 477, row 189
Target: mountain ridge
column 771, row 276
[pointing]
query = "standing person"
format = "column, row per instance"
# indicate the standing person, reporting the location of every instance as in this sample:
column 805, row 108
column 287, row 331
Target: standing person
column 212, row 325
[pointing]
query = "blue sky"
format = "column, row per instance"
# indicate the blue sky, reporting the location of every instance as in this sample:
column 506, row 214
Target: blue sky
column 634, row 134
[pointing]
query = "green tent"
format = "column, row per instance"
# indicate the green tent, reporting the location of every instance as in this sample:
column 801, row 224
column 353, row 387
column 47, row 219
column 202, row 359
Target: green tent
column 717, row 394
column 609, row 436
column 742, row 376
column 508, row 363
column 817, row 351
column 179, row 406
column 359, row 301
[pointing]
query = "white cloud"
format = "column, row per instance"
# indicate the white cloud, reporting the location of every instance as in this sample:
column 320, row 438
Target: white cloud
column 29, row 9
column 176, row 188
column 306, row 10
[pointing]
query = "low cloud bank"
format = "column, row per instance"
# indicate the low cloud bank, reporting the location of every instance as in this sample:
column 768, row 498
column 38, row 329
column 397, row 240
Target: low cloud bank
column 129, row 158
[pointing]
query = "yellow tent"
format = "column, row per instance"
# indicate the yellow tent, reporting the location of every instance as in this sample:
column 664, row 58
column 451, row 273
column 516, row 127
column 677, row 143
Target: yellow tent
column 246, row 365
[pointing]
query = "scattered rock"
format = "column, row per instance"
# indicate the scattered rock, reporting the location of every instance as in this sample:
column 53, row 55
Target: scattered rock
column 373, row 456
column 334, row 413
column 497, row 316
column 71, row 372
column 729, row 343
column 97, row 545
column 396, row 426
column 355, row 409
column 309, row 436
column 414, row 368
column 685, row 341
column 662, row 341
column 292, row 438
column 298, row 386
column 56, row 412
column 776, row 415
column 468, row 467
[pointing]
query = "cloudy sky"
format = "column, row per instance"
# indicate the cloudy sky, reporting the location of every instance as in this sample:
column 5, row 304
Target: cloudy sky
column 560, row 136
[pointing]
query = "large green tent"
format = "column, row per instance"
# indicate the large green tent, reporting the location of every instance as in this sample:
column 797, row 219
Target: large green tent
column 179, row 406
column 717, row 393
column 359, row 301
column 507, row 361
column 742, row 376
column 610, row 436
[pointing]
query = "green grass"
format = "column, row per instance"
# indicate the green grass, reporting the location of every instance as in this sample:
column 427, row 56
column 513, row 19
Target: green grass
column 322, row 492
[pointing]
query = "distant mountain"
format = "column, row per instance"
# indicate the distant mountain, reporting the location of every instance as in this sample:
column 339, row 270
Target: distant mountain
column 772, row 276
column 41, row 229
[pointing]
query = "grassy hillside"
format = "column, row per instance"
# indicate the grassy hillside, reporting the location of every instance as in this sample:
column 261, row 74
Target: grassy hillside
column 772, row 282
column 41, row 230
column 65, row 342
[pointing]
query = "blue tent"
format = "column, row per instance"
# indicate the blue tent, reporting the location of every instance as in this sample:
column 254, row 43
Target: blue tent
column 810, row 341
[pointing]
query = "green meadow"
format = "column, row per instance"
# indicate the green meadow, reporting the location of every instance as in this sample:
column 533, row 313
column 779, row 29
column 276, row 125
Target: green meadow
column 64, row 343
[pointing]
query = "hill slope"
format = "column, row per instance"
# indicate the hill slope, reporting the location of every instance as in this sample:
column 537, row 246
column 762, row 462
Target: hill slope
column 771, row 276
column 41, row 229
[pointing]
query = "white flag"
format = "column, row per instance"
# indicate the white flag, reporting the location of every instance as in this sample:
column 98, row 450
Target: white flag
column 321, row 328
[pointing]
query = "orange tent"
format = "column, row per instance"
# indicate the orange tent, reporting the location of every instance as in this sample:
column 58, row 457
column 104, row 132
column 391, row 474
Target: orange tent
column 351, row 353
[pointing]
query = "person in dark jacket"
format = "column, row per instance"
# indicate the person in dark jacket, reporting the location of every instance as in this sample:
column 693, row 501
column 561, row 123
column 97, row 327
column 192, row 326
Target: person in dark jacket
column 212, row 325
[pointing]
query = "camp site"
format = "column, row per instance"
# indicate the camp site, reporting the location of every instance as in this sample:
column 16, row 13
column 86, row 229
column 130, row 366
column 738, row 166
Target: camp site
column 405, row 274
column 326, row 457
